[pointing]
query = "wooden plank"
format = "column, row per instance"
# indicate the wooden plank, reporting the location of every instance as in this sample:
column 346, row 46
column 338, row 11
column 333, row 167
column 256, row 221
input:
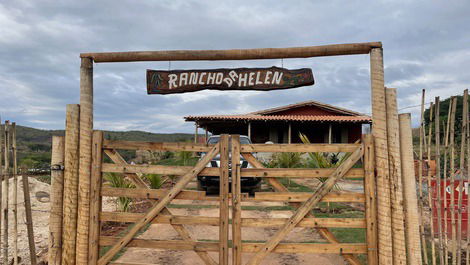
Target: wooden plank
column 334, row 196
column 324, row 232
column 235, row 54
column 156, row 169
column 57, row 193
column 413, row 241
column 95, row 198
column 462, row 169
column 158, row 207
column 264, row 79
column 156, row 146
column 236, row 202
column 297, row 172
column 69, row 233
column 353, row 248
column 328, row 148
column 398, row 218
column 306, row 207
column 179, row 228
column 379, row 131
column 86, row 131
column 146, row 193
column 371, row 202
column 125, row 217
column 224, row 200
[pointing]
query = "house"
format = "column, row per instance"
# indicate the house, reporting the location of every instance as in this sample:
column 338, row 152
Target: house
column 320, row 122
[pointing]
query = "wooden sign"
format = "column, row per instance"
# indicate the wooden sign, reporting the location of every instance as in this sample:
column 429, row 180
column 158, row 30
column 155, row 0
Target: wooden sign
column 180, row 81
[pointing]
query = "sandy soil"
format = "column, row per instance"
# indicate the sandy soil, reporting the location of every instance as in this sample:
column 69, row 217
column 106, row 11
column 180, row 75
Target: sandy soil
column 166, row 232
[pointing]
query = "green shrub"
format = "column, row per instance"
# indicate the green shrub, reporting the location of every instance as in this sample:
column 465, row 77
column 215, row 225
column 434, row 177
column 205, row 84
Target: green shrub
column 156, row 180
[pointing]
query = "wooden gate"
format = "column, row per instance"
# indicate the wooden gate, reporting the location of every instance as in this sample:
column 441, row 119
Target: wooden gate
column 231, row 173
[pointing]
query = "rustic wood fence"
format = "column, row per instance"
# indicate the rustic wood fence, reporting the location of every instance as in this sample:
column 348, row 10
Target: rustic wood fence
column 230, row 173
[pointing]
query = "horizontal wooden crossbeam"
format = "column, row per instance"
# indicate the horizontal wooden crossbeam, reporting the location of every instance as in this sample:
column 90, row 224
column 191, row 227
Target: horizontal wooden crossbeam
column 124, row 217
column 297, row 172
column 157, row 169
column 299, row 148
column 352, row 248
column 155, row 146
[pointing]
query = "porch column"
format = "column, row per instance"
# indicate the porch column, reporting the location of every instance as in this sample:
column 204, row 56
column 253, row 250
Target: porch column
column 207, row 135
column 330, row 134
column 289, row 134
column 249, row 130
column 195, row 133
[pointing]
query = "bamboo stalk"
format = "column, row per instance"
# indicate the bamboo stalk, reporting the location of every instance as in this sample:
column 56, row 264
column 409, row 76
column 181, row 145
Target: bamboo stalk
column 57, row 192
column 429, row 178
column 396, row 187
column 450, row 150
column 86, row 131
column 379, row 132
column 238, row 54
column 445, row 171
column 467, row 255
column 420, row 179
column 438, row 180
column 70, row 203
column 6, row 184
column 462, row 167
column 15, row 195
column 29, row 219
column 2, row 128
column 412, row 222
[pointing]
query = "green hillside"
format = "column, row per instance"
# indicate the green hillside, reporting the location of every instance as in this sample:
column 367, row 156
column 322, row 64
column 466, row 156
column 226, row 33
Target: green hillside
column 34, row 145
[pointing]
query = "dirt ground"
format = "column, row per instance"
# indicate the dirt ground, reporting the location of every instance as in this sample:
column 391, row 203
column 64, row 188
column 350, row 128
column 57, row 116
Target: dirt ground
column 209, row 233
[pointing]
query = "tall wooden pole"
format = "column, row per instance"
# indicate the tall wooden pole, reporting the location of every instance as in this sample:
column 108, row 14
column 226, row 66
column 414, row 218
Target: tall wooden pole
column 95, row 206
column 420, row 179
column 224, row 200
column 379, row 131
column 396, row 187
column 371, row 199
column 15, row 194
column 86, row 132
column 438, row 179
column 429, row 178
column 467, row 135
column 412, row 222
column 462, row 168
column 6, row 184
column 69, row 233
column 446, row 151
column 450, row 151
column 2, row 128
column 57, row 193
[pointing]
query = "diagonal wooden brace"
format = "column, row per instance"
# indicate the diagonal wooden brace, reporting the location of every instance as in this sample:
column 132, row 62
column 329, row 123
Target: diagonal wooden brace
column 138, row 182
column 158, row 207
column 305, row 208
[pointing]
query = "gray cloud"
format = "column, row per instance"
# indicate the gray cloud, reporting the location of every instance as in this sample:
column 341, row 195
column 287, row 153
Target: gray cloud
column 425, row 46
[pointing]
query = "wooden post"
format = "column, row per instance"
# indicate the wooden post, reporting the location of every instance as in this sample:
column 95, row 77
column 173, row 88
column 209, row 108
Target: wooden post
column 438, row 179
column 207, row 135
column 29, row 219
column 249, row 130
column 2, row 128
column 57, row 193
column 379, row 131
column 371, row 203
column 6, row 184
column 450, row 134
column 236, row 202
column 330, row 134
column 462, row 170
column 409, row 191
column 95, row 198
column 224, row 202
column 86, row 131
column 15, row 195
column 69, row 233
column 467, row 135
column 398, row 229
column 420, row 179
column 195, row 133
column 429, row 178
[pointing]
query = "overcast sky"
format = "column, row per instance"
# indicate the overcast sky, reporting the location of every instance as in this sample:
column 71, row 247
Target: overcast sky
column 426, row 45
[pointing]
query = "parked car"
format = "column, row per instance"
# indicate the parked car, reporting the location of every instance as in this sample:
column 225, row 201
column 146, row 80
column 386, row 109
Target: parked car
column 210, row 184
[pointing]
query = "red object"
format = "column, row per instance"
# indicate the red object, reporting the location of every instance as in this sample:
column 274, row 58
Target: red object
column 446, row 196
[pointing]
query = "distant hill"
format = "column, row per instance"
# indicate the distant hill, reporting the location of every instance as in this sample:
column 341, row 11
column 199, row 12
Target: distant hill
column 34, row 145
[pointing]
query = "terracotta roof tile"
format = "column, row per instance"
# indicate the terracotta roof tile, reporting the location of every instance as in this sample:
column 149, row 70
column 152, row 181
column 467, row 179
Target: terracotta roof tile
column 253, row 117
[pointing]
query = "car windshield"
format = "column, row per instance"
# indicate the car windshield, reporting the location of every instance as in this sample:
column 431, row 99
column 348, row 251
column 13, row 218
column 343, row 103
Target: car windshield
column 216, row 139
